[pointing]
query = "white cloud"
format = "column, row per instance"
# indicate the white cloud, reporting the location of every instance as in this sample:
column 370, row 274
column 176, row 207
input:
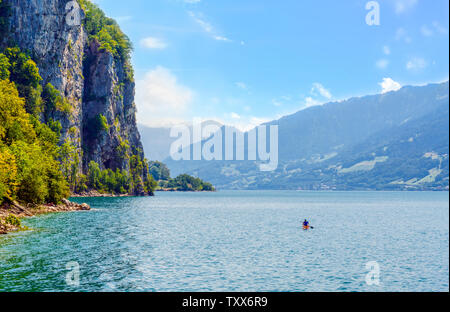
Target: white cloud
column 401, row 34
column 309, row 102
column 235, row 116
column 389, row 85
column 382, row 63
column 241, row 85
column 427, row 32
column 153, row 43
column 401, row 6
column 221, row 38
column 276, row 103
column 416, row 63
column 386, row 50
column 161, row 99
column 192, row 1
column 207, row 27
column 434, row 28
column 317, row 87
column 440, row 29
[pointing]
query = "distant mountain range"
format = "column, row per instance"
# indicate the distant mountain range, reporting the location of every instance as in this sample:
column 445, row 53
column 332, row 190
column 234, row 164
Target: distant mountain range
column 393, row 141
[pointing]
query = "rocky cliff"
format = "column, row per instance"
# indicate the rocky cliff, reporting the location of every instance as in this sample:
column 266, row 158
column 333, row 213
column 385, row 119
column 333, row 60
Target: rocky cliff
column 101, row 122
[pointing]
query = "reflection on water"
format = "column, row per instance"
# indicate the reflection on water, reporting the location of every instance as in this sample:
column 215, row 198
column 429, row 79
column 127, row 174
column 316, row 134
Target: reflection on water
column 236, row 241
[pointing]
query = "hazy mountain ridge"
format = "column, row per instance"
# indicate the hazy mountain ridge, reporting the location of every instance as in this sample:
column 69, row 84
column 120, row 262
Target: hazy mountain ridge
column 397, row 140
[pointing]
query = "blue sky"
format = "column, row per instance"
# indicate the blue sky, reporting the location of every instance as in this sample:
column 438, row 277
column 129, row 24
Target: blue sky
column 247, row 61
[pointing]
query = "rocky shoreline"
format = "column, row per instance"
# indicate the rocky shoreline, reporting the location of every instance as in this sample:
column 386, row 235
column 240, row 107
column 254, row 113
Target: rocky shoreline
column 98, row 194
column 11, row 213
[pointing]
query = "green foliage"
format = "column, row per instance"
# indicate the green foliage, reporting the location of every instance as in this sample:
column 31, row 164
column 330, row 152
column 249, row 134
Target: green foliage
column 24, row 72
column 123, row 148
column 119, row 181
column 96, row 126
column 4, row 67
column 103, row 122
column 70, row 160
column 13, row 220
column 136, row 171
column 29, row 170
column 186, row 182
column 106, row 31
column 108, row 181
column 93, row 176
column 159, row 171
column 108, row 34
column 81, row 184
column 53, row 100
column 8, row 174
column 55, row 126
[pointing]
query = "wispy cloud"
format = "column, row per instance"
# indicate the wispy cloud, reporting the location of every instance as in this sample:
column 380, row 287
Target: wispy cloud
column 207, row 27
column 382, row 63
column 427, row 32
column 235, row 116
column 402, row 6
column 241, row 85
column 439, row 28
column 388, row 85
column 416, row 63
column 402, row 35
column 309, row 102
column 434, row 28
column 317, row 87
column 153, row 43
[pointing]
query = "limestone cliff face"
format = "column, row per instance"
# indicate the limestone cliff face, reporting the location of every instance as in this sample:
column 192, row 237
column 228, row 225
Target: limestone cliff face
column 108, row 92
column 93, row 81
column 39, row 27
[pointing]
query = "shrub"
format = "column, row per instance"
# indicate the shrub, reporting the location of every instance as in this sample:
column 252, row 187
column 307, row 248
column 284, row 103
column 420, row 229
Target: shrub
column 13, row 220
column 54, row 101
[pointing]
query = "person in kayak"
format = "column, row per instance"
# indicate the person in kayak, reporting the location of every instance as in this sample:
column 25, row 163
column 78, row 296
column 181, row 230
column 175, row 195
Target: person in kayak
column 305, row 223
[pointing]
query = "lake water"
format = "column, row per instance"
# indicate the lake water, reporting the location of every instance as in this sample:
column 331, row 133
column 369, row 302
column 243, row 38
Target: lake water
column 236, row 241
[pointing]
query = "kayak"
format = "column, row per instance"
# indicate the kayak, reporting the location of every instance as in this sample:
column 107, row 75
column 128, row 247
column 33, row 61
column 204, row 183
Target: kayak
column 306, row 227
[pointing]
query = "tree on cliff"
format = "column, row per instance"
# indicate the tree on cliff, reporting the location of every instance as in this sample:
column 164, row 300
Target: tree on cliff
column 29, row 170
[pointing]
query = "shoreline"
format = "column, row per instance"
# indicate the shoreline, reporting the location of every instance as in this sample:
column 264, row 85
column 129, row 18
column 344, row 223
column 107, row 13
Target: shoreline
column 180, row 191
column 95, row 194
column 11, row 213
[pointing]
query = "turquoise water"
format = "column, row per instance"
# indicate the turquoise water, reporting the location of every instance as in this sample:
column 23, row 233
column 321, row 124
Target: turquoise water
column 236, row 241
